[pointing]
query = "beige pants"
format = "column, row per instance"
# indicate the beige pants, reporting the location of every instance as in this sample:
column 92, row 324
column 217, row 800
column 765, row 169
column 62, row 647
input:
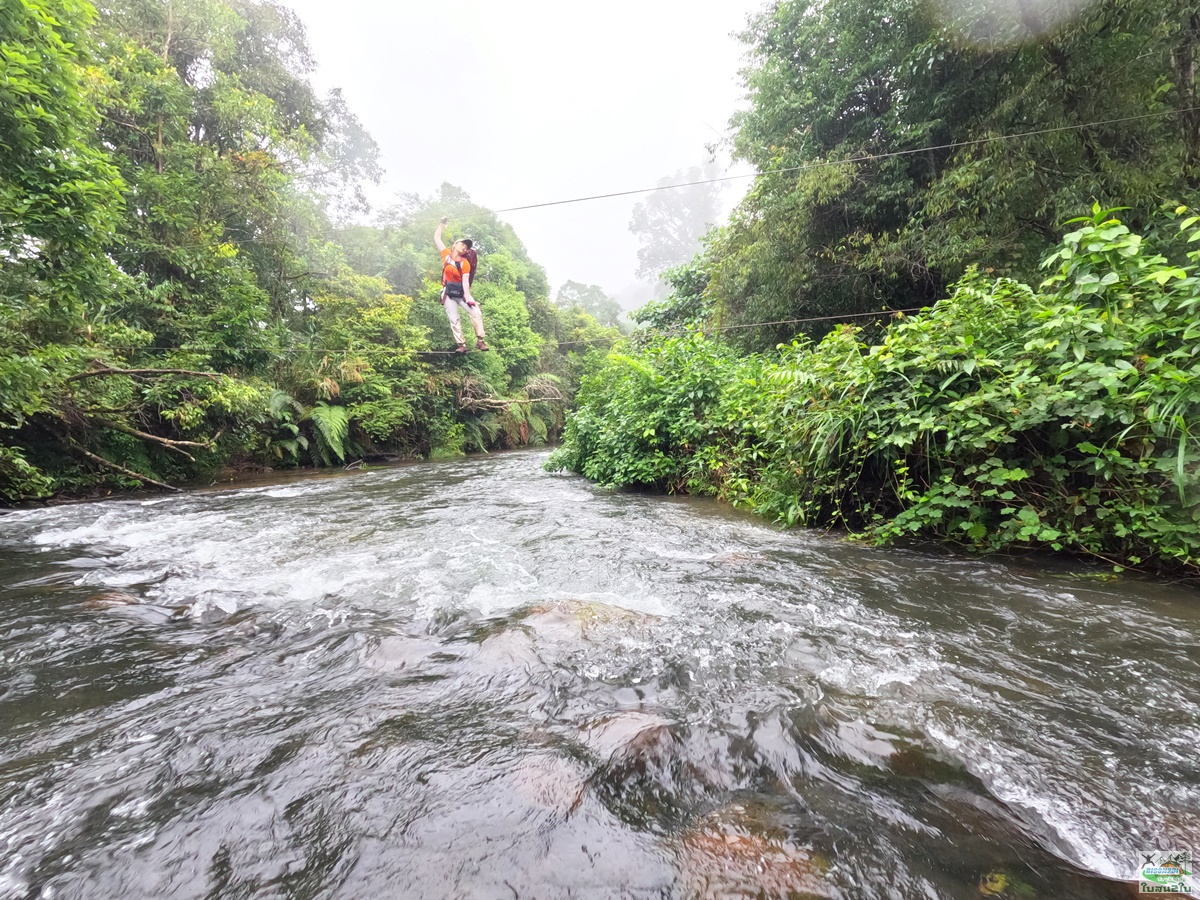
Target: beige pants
column 473, row 314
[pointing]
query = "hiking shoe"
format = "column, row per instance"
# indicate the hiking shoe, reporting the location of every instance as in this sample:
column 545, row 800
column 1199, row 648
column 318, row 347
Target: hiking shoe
column 461, row 348
column 481, row 345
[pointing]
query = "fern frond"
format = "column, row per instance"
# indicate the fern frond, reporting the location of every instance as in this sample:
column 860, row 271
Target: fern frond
column 473, row 438
column 281, row 401
column 331, row 426
column 491, row 425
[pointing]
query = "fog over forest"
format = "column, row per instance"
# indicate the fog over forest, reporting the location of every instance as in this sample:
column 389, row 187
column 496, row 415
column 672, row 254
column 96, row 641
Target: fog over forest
column 630, row 98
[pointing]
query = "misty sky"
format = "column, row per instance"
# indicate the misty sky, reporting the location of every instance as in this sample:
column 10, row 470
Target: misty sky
column 566, row 100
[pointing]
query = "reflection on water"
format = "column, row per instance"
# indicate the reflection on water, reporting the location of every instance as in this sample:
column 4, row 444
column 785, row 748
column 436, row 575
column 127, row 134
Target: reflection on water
column 474, row 679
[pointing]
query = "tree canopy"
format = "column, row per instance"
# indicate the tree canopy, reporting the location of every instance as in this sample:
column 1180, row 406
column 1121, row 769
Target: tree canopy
column 670, row 222
column 592, row 300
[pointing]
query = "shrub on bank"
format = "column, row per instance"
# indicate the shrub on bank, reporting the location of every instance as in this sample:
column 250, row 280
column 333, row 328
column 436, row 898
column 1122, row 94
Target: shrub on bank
column 1005, row 417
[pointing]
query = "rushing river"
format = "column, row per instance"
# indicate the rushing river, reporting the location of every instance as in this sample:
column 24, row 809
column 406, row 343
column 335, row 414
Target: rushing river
column 475, row 679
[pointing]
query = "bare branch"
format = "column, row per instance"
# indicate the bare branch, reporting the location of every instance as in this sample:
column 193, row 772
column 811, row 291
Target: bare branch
column 125, row 471
column 300, row 275
column 471, row 403
column 475, row 394
column 154, row 437
column 541, row 392
column 107, row 411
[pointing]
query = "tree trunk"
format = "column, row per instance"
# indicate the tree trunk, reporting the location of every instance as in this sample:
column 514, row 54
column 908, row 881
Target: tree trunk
column 1072, row 103
column 1184, row 58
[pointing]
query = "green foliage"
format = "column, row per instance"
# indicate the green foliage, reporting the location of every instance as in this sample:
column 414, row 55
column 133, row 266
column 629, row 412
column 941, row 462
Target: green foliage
column 507, row 322
column 1004, row 418
column 640, row 418
column 379, row 369
column 58, row 192
column 531, row 339
column 20, row 480
column 447, row 439
column 199, row 110
column 686, row 305
column 286, row 443
column 400, row 247
column 59, row 202
column 168, row 298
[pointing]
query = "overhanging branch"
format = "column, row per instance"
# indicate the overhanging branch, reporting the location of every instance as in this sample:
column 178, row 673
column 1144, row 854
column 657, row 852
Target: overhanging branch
column 124, row 471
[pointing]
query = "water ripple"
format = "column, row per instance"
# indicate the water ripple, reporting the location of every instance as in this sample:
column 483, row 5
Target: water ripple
column 476, row 679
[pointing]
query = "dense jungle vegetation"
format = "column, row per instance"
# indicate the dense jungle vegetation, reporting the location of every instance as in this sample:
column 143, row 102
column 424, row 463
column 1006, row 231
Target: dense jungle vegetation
column 1026, row 181
column 176, row 294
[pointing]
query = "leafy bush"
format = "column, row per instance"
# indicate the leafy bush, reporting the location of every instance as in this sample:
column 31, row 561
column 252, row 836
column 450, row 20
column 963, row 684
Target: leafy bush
column 640, row 417
column 1006, row 417
column 446, row 439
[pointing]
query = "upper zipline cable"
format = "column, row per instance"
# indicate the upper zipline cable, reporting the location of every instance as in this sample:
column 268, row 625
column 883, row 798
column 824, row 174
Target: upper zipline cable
column 826, row 163
column 818, row 164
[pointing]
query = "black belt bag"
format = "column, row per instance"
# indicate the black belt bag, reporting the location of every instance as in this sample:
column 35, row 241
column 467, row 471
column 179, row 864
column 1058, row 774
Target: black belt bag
column 454, row 290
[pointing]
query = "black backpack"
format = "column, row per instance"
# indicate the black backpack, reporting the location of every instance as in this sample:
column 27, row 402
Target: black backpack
column 473, row 259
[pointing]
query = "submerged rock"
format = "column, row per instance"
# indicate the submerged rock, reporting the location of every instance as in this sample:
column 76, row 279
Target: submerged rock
column 1004, row 884
column 631, row 737
column 111, row 599
column 508, row 652
column 573, row 619
column 130, row 606
column 730, row 854
column 549, row 782
column 396, row 653
column 557, row 622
